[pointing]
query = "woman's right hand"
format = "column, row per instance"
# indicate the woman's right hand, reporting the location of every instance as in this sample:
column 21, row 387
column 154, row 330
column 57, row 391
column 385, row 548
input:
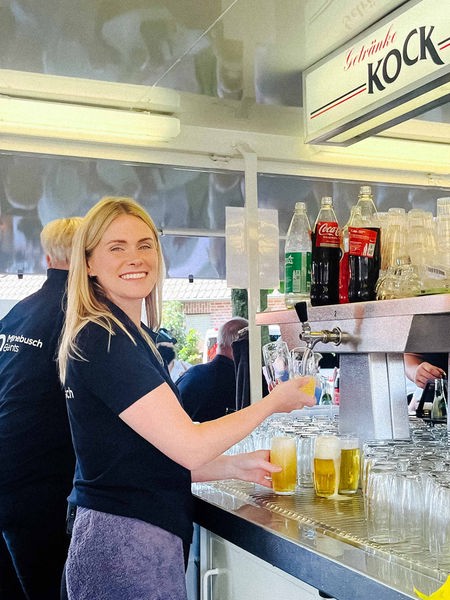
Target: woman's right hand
column 289, row 395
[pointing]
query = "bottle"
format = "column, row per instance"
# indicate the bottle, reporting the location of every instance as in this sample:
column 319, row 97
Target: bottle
column 354, row 219
column 336, row 384
column 439, row 406
column 364, row 258
column 326, row 399
column 326, row 253
column 297, row 258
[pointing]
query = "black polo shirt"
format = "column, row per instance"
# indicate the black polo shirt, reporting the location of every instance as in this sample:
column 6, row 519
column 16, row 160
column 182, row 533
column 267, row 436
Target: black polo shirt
column 117, row 470
column 35, row 443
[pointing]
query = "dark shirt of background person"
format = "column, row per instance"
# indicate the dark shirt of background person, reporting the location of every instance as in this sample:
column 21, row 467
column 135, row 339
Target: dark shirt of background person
column 209, row 389
column 37, row 458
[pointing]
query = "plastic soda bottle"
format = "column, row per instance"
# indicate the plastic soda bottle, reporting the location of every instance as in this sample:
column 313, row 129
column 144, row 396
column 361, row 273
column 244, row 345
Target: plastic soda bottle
column 344, row 274
column 364, row 259
column 297, row 258
column 326, row 254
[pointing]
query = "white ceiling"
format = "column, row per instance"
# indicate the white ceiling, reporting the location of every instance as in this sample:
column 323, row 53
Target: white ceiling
column 236, row 63
column 226, row 48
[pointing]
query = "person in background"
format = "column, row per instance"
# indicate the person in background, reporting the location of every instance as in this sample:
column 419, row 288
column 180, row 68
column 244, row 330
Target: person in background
column 137, row 450
column 208, row 390
column 36, row 454
column 175, row 365
column 167, row 352
column 420, row 368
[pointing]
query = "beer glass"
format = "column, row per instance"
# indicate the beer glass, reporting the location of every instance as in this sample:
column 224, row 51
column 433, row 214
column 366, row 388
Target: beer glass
column 277, row 362
column 350, row 465
column 283, row 452
column 382, row 507
column 327, row 464
column 305, row 453
column 439, row 524
column 308, row 382
column 412, row 503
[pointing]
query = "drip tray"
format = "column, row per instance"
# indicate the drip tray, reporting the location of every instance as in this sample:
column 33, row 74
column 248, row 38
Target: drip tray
column 340, row 519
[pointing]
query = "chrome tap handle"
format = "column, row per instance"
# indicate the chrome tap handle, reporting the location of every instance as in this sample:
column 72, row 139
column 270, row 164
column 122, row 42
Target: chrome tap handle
column 311, row 338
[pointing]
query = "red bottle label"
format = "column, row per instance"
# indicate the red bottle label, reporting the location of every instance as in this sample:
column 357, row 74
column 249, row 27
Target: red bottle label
column 362, row 241
column 327, row 234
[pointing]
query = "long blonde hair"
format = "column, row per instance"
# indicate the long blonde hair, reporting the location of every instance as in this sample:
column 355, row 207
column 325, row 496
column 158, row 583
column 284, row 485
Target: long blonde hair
column 85, row 296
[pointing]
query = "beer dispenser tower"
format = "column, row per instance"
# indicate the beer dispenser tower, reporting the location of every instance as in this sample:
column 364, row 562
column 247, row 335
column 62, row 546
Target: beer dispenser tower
column 370, row 338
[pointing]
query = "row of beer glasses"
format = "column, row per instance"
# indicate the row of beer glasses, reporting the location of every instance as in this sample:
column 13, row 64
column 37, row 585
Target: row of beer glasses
column 310, row 452
column 336, row 465
column 303, row 429
column 406, row 488
column 321, row 459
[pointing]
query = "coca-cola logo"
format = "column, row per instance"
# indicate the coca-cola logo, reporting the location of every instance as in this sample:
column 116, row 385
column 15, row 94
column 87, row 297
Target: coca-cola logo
column 328, row 229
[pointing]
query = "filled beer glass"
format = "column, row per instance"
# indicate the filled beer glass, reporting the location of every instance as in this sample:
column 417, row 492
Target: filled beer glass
column 350, row 465
column 283, row 452
column 327, row 464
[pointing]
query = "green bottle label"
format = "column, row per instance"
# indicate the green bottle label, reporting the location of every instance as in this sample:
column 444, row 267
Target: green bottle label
column 297, row 272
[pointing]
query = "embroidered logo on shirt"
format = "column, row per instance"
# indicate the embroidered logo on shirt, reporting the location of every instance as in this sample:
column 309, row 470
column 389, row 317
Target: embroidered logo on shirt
column 11, row 343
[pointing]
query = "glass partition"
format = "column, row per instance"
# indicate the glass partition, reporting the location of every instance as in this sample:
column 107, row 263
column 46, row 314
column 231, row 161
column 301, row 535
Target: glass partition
column 187, row 205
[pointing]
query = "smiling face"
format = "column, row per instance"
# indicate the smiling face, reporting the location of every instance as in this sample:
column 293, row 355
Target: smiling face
column 125, row 263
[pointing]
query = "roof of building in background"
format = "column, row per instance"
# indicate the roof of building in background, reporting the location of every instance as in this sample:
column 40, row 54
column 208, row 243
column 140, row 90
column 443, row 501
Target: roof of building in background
column 13, row 288
column 199, row 289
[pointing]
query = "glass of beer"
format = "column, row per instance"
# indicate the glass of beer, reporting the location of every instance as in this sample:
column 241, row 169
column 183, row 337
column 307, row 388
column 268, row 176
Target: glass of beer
column 276, row 362
column 327, row 464
column 283, row 452
column 350, row 465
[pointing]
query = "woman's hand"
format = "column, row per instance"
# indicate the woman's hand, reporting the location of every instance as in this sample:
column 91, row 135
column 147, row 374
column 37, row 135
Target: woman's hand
column 248, row 466
column 254, row 467
column 290, row 395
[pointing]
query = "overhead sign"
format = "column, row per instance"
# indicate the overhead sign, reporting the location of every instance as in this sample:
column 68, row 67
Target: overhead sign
column 392, row 72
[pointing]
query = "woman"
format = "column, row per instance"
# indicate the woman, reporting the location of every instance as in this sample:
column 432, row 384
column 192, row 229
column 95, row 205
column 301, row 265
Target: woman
column 137, row 450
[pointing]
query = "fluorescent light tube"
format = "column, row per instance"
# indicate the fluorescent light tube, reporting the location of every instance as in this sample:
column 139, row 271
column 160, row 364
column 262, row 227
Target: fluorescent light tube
column 74, row 90
column 55, row 120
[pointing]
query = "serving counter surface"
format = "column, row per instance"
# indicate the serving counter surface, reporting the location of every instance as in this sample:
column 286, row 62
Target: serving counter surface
column 319, row 541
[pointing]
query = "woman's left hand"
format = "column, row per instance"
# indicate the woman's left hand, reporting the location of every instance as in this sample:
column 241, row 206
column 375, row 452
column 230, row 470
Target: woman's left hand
column 254, row 467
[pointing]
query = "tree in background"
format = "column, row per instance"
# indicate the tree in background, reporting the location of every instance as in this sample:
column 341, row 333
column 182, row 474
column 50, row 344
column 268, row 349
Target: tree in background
column 174, row 320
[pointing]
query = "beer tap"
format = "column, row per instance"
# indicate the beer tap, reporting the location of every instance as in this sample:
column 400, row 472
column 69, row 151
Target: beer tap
column 311, row 338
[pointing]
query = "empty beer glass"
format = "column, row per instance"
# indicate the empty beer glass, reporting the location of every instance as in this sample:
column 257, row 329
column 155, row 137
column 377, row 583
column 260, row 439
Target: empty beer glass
column 277, row 360
column 382, row 506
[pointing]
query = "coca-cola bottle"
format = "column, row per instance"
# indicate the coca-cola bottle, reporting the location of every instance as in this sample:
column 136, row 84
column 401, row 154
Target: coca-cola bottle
column 326, row 253
column 344, row 275
column 364, row 258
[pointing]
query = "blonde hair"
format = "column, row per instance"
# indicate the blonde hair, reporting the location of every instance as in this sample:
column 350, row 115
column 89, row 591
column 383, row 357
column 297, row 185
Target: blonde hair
column 86, row 300
column 57, row 237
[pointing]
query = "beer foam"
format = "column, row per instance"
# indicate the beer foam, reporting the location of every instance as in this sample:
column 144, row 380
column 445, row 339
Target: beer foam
column 327, row 447
column 349, row 443
column 282, row 442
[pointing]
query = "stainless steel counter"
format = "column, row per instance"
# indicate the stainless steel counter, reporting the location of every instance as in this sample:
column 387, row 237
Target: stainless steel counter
column 321, row 542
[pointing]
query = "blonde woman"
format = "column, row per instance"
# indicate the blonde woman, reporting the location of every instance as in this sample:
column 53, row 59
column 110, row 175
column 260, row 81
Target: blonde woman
column 137, row 450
